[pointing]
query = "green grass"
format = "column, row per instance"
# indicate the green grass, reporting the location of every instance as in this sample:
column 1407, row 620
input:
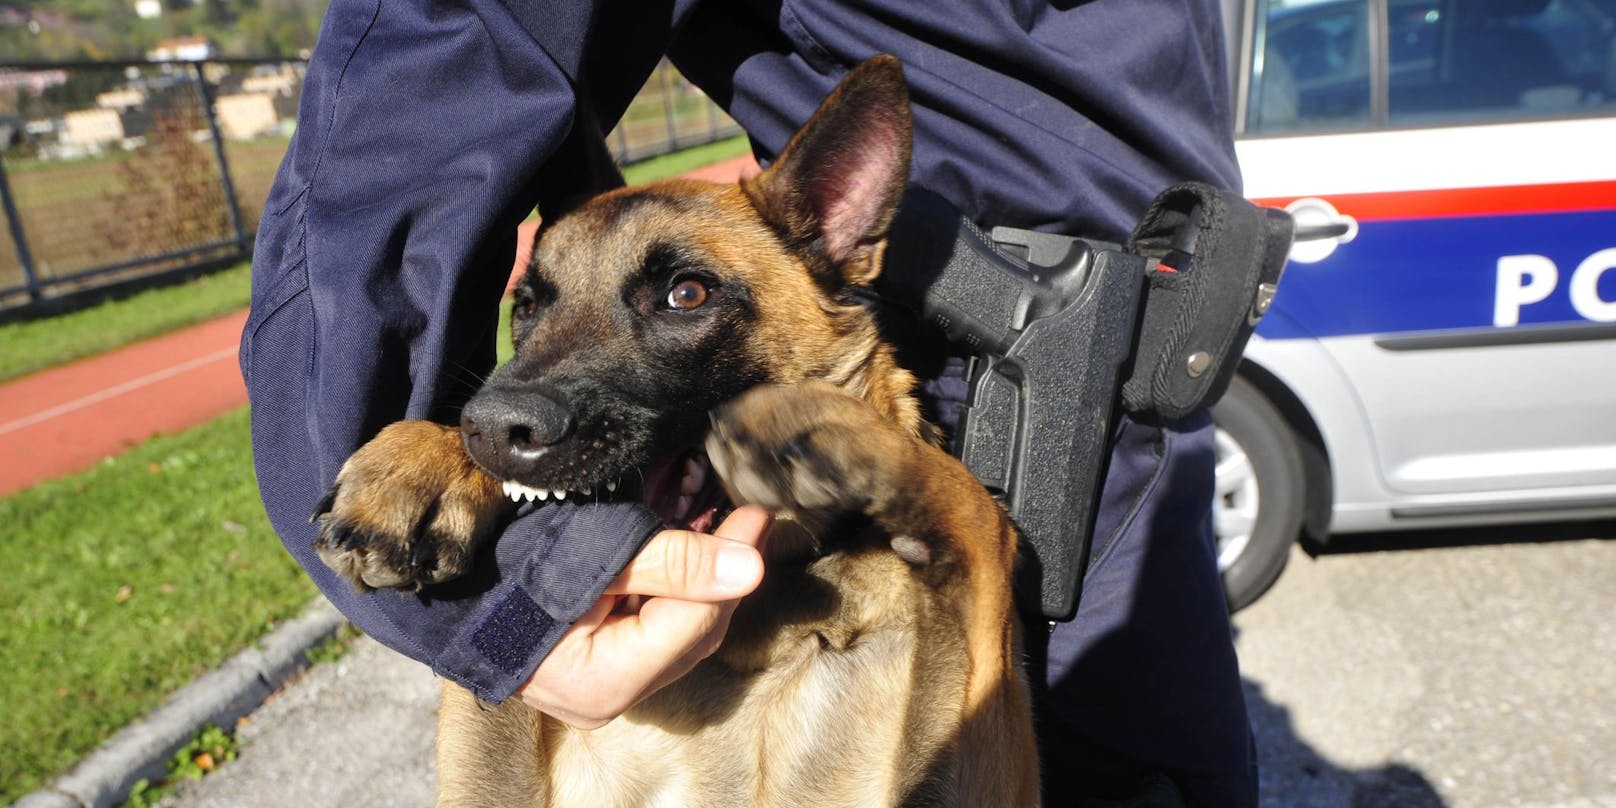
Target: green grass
column 503, row 348
column 679, row 162
column 334, row 647
column 124, row 583
column 36, row 344
column 210, row 748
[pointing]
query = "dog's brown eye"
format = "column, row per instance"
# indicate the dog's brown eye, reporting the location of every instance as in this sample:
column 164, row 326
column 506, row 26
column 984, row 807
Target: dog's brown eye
column 687, row 294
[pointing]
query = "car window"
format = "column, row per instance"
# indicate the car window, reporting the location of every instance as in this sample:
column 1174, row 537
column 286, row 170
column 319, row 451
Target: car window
column 1312, row 71
column 1507, row 59
column 1447, row 61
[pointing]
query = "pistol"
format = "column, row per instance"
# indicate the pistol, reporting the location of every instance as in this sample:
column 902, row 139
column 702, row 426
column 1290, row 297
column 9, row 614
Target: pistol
column 1063, row 334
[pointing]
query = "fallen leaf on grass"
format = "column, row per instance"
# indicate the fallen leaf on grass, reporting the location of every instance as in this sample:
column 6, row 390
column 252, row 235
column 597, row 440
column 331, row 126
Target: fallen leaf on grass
column 125, row 592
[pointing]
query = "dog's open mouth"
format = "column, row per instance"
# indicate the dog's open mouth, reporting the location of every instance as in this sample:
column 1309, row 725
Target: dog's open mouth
column 683, row 491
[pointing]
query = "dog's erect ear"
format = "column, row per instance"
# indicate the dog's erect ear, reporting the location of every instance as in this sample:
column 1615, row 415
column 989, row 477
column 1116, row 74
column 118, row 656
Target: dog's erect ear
column 834, row 190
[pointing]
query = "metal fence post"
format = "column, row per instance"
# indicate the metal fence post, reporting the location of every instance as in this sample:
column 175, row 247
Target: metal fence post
column 218, row 151
column 14, row 221
column 667, row 106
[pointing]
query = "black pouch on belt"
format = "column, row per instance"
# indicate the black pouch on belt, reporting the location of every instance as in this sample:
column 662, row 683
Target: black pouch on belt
column 1216, row 259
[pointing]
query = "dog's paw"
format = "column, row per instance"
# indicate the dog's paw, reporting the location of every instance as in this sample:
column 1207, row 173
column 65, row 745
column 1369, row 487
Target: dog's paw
column 408, row 509
column 808, row 448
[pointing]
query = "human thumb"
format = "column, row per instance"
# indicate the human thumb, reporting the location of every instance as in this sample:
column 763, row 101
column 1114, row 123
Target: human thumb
column 688, row 565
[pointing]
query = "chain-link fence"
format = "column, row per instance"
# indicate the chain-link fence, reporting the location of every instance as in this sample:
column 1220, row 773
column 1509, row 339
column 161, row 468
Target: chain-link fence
column 128, row 171
column 669, row 114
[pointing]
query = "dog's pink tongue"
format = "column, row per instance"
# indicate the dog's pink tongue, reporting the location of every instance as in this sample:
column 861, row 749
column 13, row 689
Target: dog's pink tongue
column 661, row 491
column 679, row 492
column 703, row 523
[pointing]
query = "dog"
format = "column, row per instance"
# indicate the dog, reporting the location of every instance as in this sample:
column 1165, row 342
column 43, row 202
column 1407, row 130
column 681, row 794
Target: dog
column 877, row 663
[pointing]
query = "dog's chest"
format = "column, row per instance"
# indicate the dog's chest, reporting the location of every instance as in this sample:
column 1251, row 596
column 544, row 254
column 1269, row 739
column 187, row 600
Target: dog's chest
column 818, row 709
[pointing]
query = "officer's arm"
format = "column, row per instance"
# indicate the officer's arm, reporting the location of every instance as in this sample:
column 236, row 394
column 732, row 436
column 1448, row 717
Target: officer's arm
column 380, row 260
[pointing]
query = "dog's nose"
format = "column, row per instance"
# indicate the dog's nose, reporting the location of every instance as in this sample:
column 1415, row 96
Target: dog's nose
column 509, row 429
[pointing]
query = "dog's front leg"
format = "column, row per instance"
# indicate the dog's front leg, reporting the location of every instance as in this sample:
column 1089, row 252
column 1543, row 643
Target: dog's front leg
column 408, row 509
column 815, row 448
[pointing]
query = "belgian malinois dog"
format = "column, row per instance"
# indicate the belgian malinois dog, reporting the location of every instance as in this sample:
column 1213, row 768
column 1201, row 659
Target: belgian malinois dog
column 681, row 327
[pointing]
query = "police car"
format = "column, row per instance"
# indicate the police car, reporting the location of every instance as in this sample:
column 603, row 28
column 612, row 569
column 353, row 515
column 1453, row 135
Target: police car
column 1449, row 358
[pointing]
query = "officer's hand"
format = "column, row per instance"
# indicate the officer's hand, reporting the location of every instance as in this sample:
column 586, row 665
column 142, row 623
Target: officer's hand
column 691, row 583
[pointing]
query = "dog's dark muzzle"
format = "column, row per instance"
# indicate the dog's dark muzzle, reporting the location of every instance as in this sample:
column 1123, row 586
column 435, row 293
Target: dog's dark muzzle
column 507, row 430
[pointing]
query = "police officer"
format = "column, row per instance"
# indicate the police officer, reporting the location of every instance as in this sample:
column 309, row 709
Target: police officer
column 428, row 131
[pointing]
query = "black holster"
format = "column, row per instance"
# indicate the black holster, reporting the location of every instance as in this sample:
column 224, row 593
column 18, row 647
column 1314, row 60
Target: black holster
column 1065, row 330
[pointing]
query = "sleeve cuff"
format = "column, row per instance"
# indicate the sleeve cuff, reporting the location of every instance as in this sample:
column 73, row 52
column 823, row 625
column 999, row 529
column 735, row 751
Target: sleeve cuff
column 555, row 561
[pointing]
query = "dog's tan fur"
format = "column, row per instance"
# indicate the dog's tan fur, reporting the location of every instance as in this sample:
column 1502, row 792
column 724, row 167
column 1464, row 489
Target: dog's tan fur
column 875, row 665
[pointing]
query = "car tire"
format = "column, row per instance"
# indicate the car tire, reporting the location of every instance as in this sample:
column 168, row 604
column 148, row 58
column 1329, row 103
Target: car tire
column 1259, row 493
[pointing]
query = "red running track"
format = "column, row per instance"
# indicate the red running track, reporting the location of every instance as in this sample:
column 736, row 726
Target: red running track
column 68, row 418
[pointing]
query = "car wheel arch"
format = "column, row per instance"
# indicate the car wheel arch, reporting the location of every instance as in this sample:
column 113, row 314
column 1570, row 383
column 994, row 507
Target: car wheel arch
column 1318, row 478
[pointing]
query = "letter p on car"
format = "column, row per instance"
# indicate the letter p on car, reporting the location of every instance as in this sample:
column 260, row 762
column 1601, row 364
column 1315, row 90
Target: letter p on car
column 1527, row 279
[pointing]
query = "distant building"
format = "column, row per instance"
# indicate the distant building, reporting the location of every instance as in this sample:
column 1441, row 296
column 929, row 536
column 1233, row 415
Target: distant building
column 125, row 98
column 284, row 83
column 183, row 49
column 32, row 82
column 93, row 129
column 245, row 116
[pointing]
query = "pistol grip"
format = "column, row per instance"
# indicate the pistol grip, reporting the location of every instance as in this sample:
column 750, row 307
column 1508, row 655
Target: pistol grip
column 1047, row 405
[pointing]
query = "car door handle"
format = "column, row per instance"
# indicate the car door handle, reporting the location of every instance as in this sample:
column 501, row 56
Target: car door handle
column 1322, row 230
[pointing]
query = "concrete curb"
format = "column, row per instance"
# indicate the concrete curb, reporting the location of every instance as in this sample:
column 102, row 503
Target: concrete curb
column 220, row 696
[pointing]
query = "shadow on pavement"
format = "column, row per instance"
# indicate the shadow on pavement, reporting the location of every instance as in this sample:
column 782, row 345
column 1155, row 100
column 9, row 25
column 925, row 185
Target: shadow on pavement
column 1294, row 775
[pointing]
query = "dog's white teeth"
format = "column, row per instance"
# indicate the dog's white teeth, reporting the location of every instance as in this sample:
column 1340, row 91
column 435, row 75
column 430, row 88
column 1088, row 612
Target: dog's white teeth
column 695, row 477
column 611, row 486
column 519, row 492
column 682, row 508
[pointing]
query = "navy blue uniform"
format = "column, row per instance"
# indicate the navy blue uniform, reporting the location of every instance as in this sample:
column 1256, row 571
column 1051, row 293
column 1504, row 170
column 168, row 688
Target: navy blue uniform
column 422, row 141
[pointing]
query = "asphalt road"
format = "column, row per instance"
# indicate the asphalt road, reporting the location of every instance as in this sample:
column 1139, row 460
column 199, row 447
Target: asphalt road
column 1452, row 675
column 1455, row 674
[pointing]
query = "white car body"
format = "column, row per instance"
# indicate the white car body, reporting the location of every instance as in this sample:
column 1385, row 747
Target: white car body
column 1448, row 356
column 1506, row 416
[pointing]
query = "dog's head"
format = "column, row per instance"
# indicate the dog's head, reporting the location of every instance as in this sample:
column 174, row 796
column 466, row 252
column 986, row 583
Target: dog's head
column 645, row 308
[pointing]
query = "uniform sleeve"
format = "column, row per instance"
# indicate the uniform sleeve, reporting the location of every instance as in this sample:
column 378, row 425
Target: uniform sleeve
column 384, row 247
